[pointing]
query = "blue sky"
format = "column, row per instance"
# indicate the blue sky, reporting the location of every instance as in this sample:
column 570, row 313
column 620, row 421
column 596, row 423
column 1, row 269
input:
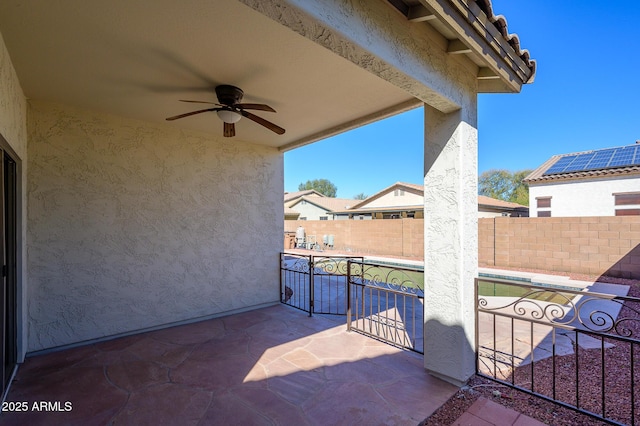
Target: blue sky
column 586, row 95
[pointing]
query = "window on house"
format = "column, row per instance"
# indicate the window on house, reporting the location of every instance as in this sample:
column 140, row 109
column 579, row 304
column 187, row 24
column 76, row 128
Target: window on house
column 398, row 192
column 303, row 218
column 627, row 212
column 324, row 218
column 627, row 199
column 543, row 202
column 544, row 213
column 630, row 203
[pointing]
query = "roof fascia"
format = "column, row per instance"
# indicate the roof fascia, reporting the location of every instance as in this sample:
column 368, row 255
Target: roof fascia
column 484, row 39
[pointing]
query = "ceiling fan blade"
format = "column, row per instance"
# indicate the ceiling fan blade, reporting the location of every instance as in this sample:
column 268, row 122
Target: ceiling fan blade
column 198, row 102
column 229, row 130
column 261, row 107
column 269, row 125
column 175, row 117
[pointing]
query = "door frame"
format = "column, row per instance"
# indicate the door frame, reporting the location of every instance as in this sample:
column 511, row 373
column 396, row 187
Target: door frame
column 14, row 273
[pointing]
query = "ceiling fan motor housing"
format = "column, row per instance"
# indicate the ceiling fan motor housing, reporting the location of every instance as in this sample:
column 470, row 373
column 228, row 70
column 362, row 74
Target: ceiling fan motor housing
column 229, row 95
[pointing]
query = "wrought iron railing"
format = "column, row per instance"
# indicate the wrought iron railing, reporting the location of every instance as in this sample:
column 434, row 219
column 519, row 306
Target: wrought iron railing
column 314, row 284
column 386, row 302
column 576, row 348
column 379, row 300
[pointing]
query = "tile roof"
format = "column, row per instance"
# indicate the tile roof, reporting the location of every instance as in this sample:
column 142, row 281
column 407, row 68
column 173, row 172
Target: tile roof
column 288, row 211
column 418, row 188
column 483, row 200
column 500, row 22
column 413, row 187
column 329, row 203
column 288, row 196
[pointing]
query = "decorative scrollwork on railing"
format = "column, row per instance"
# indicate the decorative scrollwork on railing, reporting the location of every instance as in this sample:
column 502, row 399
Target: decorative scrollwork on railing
column 330, row 265
column 387, row 277
column 597, row 313
column 530, row 306
column 295, row 264
column 608, row 320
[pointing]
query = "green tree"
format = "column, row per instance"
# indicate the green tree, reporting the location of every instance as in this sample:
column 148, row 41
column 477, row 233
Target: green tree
column 360, row 196
column 505, row 185
column 323, row 186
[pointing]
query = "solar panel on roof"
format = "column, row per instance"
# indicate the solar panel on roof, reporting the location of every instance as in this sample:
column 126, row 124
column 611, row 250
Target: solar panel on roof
column 559, row 165
column 623, row 156
column 601, row 159
column 579, row 163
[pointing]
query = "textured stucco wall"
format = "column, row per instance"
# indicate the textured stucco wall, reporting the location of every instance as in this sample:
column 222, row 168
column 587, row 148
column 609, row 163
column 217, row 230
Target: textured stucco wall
column 380, row 40
column 13, row 105
column 450, row 241
column 583, row 198
column 134, row 225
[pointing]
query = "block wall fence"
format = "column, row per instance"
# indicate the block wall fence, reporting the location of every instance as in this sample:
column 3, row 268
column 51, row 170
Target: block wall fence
column 392, row 237
column 581, row 245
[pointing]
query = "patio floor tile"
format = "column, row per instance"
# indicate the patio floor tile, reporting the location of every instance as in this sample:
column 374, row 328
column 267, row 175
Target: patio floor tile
column 270, row 366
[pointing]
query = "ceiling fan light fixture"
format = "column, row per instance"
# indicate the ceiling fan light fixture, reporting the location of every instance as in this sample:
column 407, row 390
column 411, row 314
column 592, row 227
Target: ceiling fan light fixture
column 229, row 116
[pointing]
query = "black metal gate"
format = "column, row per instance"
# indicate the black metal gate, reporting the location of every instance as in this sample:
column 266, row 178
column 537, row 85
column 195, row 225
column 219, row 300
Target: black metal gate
column 314, row 284
column 382, row 301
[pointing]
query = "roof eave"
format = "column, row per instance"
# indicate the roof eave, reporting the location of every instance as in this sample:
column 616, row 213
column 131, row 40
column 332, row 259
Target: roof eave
column 506, row 67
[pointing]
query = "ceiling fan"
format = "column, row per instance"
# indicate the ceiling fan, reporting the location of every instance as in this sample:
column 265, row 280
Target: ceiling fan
column 230, row 110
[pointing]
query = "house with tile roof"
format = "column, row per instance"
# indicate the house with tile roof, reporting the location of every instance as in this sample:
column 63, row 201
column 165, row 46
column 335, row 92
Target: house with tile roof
column 604, row 182
column 293, row 197
column 317, row 208
column 406, row 200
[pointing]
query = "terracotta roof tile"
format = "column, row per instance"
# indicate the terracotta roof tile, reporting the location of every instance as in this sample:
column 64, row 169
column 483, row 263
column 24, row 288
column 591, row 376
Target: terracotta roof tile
column 488, row 201
column 331, row 204
column 500, row 22
column 288, row 196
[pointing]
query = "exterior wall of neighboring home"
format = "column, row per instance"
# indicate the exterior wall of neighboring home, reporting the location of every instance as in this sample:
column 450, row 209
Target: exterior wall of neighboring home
column 485, row 214
column 396, row 198
column 13, row 132
column 135, row 225
column 594, row 197
column 310, row 211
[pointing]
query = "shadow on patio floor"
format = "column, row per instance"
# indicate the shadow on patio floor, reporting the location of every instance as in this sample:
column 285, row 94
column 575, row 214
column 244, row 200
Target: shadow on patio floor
column 265, row 367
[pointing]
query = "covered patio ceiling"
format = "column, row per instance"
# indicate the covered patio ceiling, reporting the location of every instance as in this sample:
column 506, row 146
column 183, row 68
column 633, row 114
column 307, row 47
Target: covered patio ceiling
column 137, row 59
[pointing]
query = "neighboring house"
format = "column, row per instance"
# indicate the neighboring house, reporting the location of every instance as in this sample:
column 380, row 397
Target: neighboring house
column 290, row 214
column 400, row 200
column 603, row 182
column 118, row 221
column 406, row 200
column 319, row 208
column 292, row 197
column 491, row 207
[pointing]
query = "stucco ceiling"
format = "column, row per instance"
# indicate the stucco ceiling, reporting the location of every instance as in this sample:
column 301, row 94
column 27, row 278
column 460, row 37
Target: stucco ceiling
column 138, row 58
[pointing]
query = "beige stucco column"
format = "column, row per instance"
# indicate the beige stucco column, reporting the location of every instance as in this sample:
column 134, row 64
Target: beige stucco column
column 450, row 241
